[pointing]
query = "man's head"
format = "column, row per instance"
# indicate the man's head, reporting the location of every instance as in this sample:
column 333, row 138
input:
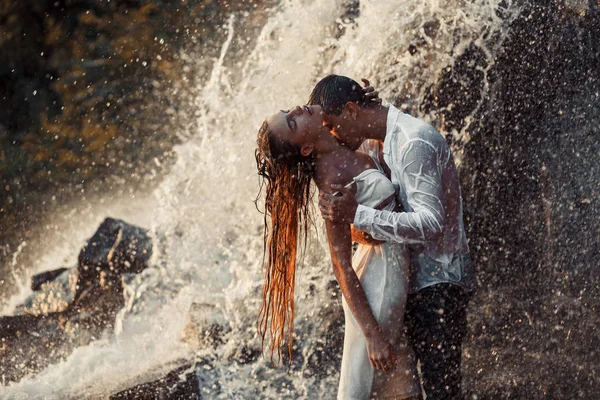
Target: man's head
column 342, row 100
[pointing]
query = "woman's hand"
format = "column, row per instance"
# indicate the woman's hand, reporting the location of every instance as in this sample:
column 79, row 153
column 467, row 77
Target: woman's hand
column 370, row 92
column 380, row 351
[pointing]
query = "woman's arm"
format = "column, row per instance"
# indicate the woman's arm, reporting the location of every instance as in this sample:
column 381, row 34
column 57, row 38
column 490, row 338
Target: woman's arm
column 379, row 349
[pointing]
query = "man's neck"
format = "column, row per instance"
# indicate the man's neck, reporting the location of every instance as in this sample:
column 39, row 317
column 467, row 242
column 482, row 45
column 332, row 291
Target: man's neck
column 374, row 122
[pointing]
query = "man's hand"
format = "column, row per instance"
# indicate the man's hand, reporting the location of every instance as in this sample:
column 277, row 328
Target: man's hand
column 370, row 92
column 340, row 207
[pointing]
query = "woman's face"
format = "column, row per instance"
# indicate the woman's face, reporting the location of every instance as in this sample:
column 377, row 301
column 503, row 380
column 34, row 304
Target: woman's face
column 301, row 126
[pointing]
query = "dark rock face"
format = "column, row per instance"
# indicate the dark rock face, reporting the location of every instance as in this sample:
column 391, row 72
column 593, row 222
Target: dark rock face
column 77, row 305
column 43, row 277
column 531, row 184
column 192, row 381
column 180, row 384
column 115, row 248
column 533, row 155
column 55, row 295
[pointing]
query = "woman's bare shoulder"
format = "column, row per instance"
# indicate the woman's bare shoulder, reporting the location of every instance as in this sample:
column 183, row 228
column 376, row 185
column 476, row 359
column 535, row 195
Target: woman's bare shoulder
column 342, row 173
column 331, row 175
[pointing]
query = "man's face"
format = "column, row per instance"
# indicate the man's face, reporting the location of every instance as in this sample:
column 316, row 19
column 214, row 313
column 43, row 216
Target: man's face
column 344, row 128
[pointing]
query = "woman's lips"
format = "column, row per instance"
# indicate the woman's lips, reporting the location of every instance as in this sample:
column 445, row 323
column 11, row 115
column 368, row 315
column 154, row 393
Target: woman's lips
column 308, row 110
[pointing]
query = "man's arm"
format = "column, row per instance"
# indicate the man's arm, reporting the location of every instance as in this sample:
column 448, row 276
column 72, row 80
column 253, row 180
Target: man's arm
column 418, row 168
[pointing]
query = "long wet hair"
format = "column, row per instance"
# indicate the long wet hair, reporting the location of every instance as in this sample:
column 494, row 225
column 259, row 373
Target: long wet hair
column 285, row 176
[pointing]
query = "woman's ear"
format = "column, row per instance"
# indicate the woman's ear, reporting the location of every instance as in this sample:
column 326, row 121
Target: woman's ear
column 352, row 110
column 307, row 149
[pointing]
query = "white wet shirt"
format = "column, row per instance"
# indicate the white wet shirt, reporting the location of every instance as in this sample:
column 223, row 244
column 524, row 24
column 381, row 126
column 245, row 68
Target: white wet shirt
column 427, row 185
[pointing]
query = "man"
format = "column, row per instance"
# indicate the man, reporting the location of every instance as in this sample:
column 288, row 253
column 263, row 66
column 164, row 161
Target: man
column 421, row 167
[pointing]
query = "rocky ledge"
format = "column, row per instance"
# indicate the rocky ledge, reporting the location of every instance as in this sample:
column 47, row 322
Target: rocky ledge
column 71, row 307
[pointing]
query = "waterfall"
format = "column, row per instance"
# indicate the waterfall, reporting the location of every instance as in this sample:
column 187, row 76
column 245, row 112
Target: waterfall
column 207, row 231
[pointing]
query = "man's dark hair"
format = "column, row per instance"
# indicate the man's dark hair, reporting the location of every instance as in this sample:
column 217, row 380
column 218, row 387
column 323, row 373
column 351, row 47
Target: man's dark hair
column 334, row 91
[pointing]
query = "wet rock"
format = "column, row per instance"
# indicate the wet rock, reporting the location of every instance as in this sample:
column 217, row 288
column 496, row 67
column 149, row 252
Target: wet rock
column 38, row 279
column 15, row 325
column 55, row 295
column 527, row 123
column 116, row 247
column 181, row 383
column 430, row 28
column 207, row 378
column 76, row 306
column 351, row 10
column 29, row 343
column 458, row 90
column 194, row 380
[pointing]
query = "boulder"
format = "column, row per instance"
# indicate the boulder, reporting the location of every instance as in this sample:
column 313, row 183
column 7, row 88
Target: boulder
column 195, row 380
column 181, row 383
column 72, row 307
column 116, row 247
column 55, row 295
column 51, row 328
column 15, row 325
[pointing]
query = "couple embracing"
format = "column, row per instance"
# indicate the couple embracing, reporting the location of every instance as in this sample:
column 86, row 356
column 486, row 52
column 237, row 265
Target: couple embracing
column 388, row 181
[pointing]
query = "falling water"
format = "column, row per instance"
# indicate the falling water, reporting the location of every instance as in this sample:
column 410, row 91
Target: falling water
column 207, row 231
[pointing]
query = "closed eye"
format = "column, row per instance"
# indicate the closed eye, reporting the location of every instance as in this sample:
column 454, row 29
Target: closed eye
column 288, row 119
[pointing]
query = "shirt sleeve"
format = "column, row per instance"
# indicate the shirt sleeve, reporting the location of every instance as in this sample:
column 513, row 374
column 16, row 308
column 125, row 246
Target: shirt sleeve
column 419, row 167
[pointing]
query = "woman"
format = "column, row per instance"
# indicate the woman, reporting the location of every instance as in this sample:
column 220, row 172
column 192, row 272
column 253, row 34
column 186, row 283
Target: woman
column 295, row 148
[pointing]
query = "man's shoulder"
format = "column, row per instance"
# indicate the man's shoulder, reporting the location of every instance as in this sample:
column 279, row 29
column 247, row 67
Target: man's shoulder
column 415, row 127
column 420, row 132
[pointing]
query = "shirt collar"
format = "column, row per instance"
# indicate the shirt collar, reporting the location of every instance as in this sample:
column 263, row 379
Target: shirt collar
column 392, row 117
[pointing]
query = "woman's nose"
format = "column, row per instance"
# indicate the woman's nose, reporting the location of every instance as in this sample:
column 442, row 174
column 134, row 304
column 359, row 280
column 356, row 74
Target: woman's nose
column 297, row 110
